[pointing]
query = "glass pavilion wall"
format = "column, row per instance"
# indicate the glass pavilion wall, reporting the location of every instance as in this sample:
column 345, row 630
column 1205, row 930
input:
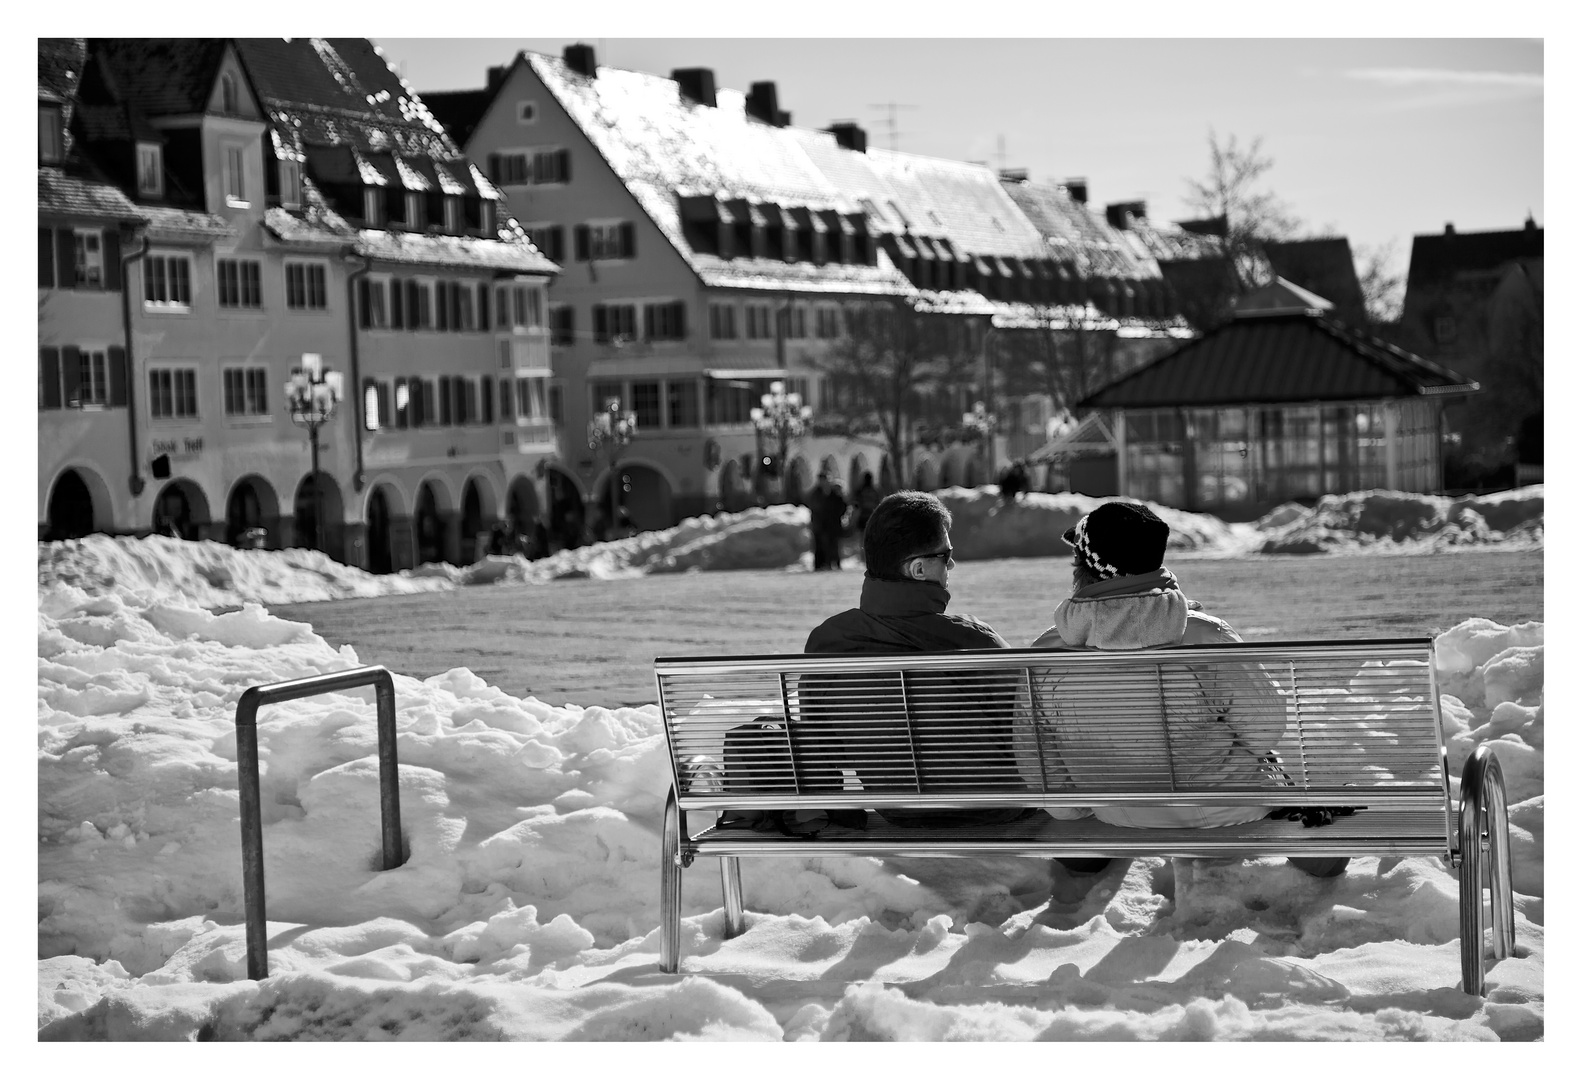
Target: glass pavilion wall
column 1234, row 456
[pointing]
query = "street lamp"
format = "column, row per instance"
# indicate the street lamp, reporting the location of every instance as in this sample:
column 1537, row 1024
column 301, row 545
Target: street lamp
column 312, row 393
column 782, row 416
column 982, row 422
column 614, row 428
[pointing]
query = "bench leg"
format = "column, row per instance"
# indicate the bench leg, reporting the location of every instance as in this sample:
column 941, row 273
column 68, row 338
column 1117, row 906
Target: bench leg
column 670, row 888
column 731, row 886
column 1502, row 902
column 1484, row 835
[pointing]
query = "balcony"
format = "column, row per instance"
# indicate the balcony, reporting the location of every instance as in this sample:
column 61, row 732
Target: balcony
column 530, row 435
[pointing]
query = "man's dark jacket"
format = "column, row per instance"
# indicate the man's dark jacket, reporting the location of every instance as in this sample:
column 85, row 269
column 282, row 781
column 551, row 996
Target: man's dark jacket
column 897, row 617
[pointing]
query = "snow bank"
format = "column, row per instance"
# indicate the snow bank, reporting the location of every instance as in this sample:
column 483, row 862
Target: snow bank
column 1406, row 522
column 528, row 908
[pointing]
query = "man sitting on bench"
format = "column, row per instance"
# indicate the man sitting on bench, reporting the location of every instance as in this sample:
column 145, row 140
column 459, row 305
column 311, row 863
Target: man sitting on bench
column 902, row 609
column 1230, row 725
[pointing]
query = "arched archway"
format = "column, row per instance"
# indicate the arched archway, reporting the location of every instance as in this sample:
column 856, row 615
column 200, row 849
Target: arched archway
column 796, row 482
column 886, row 478
column 566, row 510
column 70, row 510
column 924, row 476
column 307, row 510
column 428, row 524
column 525, row 533
column 252, row 505
column 181, row 510
column 854, row 473
column 477, row 515
column 831, row 466
column 644, row 494
column 381, row 560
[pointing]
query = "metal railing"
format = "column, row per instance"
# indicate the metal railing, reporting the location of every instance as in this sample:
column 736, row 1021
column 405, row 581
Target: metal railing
column 247, row 706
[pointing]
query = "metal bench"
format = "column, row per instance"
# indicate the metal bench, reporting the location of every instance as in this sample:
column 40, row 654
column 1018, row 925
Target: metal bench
column 1356, row 725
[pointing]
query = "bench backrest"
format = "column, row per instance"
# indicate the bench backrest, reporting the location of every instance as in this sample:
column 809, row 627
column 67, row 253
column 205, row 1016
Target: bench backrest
column 1342, row 723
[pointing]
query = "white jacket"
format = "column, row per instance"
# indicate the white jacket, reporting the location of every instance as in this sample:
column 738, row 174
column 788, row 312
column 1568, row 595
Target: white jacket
column 1226, row 723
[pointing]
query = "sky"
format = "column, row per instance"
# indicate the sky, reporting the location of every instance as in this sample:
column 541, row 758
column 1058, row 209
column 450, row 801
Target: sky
column 1377, row 140
column 528, row 907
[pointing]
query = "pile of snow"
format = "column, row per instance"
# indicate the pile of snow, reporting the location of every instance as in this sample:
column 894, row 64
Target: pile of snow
column 213, row 575
column 529, row 906
column 1406, row 522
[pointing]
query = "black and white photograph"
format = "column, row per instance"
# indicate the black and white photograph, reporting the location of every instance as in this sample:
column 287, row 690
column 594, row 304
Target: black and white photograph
column 855, row 524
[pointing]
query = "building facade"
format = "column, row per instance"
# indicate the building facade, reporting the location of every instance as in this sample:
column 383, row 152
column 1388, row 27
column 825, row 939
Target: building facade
column 291, row 204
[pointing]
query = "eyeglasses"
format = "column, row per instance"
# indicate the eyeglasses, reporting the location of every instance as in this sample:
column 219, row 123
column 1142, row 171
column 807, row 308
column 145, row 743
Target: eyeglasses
column 948, row 555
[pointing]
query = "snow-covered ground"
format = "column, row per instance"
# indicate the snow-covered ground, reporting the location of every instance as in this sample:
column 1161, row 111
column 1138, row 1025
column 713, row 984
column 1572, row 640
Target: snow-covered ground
column 529, row 906
column 214, row 575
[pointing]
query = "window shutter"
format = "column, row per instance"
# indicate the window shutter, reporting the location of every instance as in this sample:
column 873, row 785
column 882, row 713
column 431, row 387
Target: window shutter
column 569, row 323
column 364, row 291
column 414, row 405
column 648, row 322
column 494, row 167
column 112, row 260
column 384, row 405
column 414, row 316
column 488, row 401
column 396, row 322
column 582, row 243
column 455, row 305
column 442, row 305
column 65, row 259
column 483, row 305
column 628, row 240
column 49, row 376
column 505, row 400
column 444, row 399
column 46, row 258
column 565, row 165
column 601, row 323
column 71, row 368
column 117, row 376
column 680, row 323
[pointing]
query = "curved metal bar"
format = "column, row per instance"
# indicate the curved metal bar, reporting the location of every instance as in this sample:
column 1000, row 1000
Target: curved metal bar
column 247, row 706
column 731, row 887
column 670, row 888
column 1485, row 856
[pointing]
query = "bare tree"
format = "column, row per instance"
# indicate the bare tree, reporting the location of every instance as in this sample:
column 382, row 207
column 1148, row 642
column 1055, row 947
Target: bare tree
column 1229, row 190
column 893, row 366
column 1056, row 356
column 1382, row 289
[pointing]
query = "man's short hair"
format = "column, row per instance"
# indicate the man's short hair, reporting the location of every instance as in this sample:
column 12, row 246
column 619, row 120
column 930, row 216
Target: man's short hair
column 904, row 524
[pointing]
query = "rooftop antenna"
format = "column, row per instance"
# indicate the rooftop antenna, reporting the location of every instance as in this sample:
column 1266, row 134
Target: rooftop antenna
column 893, row 107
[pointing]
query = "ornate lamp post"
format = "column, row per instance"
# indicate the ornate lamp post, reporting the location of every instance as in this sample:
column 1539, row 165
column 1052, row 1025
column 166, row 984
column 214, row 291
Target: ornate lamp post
column 612, row 428
column 782, row 416
column 312, row 394
column 981, row 421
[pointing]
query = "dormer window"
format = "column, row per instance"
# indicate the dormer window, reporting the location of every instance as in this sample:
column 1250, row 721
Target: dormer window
column 235, row 176
column 51, row 137
column 150, row 170
column 372, row 197
column 291, row 184
column 452, row 214
column 228, row 94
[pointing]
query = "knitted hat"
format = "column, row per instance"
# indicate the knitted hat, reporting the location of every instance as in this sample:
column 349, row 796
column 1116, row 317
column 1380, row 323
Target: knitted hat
column 1119, row 538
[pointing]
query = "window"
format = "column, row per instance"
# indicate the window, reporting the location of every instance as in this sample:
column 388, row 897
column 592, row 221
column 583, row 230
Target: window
column 520, row 305
column 167, row 282
column 373, row 293
column 228, row 94
column 150, row 169
column 532, row 398
column 606, row 391
column 551, row 166
column 722, row 322
column 74, row 377
column 681, row 399
column 606, row 240
column 89, row 257
column 291, row 184
column 511, row 167
column 239, row 283
column 645, row 405
column 827, row 322
column 172, row 393
column 376, row 404
column 51, row 139
column 550, row 240
column 235, row 178
column 562, row 324
column 758, row 324
column 612, row 322
column 557, row 405
column 403, row 404
column 246, row 391
column 666, row 321
column 305, row 287
column 417, row 304
column 798, row 329
column 373, row 203
column 526, row 112
column 452, row 214
column 92, row 379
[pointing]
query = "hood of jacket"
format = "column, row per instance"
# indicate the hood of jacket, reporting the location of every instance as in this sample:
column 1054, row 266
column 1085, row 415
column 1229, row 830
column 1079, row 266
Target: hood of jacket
column 1135, row 611
column 901, row 616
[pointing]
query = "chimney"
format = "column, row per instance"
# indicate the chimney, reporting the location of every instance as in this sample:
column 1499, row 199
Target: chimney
column 1122, row 215
column 1013, row 174
column 497, row 76
column 1450, row 228
column 763, row 104
column 697, row 84
column 1078, row 188
column 849, row 135
column 579, row 58
column 1530, row 225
